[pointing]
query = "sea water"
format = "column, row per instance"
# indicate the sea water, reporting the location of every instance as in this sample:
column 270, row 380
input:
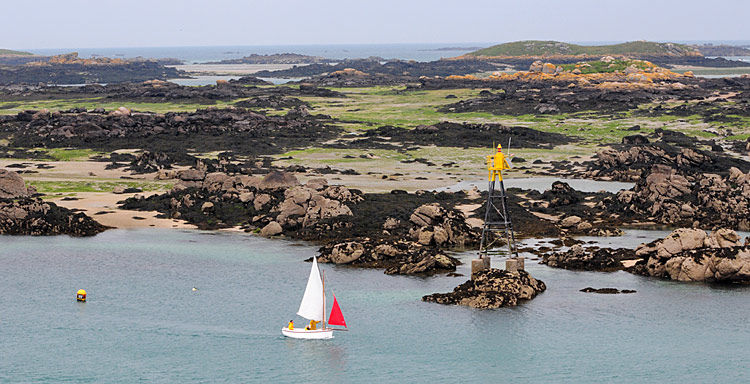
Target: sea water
column 419, row 52
column 202, row 54
column 542, row 184
column 143, row 321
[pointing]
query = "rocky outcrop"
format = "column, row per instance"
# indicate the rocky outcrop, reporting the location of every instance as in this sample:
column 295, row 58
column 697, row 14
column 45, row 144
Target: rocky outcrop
column 674, row 150
column 82, row 72
column 21, row 214
column 561, row 194
column 589, row 259
column 398, row 232
column 668, row 197
column 397, row 257
column 434, row 225
column 276, row 58
column 147, row 162
column 400, row 71
column 278, row 180
column 693, row 255
column 543, row 96
column 34, row 216
column 449, row 134
column 238, row 130
column 271, row 229
column 493, row 288
column 274, row 204
column 270, row 101
column 606, row 291
column 12, row 185
column 576, row 213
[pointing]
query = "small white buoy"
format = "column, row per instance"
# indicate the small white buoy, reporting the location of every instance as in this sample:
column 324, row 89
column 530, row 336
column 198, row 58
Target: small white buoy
column 195, row 289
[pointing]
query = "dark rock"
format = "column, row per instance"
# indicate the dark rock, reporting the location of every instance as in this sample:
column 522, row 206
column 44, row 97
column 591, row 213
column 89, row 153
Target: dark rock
column 78, row 73
column 448, row 134
column 148, row 162
column 635, row 140
column 589, row 259
column 231, row 129
column 491, row 289
column 33, row 216
column 606, row 290
column 705, row 200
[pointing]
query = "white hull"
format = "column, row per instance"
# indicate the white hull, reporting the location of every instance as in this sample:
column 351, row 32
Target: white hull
column 303, row 334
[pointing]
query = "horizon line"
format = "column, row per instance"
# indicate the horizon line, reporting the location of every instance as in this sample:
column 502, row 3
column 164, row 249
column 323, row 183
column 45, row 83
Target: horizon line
column 592, row 42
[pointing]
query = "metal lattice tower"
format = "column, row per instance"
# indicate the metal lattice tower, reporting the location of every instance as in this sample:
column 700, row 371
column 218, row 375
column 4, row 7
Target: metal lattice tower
column 497, row 223
column 498, row 226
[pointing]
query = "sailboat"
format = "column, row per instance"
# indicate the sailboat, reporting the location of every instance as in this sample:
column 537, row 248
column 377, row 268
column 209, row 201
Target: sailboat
column 313, row 307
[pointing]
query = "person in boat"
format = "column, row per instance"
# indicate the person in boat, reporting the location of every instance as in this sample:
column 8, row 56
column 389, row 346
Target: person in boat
column 312, row 326
column 290, row 326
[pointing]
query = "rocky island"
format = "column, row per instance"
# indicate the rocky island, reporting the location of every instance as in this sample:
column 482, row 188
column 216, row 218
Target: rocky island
column 70, row 69
column 491, row 289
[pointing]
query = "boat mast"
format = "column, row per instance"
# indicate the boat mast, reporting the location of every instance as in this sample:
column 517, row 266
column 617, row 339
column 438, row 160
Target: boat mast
column 323, row 274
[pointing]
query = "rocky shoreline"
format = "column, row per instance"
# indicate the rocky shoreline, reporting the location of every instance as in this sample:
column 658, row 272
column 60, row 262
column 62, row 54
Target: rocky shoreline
column 686, row 254
column 70, row 69
column 21, row 213
column 399, row 232
column 694, row 255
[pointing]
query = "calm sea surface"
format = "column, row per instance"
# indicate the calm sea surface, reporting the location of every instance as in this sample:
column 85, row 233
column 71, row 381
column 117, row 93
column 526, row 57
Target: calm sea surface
column 143, row 323
column 410, row 51
column 419, row 52
column 543, row 183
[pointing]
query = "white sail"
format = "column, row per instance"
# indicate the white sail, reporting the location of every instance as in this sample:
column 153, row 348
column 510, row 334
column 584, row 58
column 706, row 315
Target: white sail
column 311, row 307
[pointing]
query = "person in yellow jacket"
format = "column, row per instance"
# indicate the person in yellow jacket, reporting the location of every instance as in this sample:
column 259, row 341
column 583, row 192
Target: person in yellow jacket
column 496, row 164
column 312, row 326
column 290, row 326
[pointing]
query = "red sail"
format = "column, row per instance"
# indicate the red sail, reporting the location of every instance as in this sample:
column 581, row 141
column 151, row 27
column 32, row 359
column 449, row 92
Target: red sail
column 336, row 318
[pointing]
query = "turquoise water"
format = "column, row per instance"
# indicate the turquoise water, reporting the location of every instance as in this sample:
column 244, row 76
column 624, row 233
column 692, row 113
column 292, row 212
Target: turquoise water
column 143, row 323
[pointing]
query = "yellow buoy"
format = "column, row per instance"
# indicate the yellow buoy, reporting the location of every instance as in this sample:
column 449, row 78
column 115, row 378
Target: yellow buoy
column 81, row 295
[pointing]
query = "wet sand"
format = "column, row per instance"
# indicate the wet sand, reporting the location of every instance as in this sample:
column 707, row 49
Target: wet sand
column 102, row 207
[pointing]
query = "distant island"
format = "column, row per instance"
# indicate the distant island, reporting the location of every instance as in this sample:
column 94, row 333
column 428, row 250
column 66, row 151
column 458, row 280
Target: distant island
column 12, row 52
column 522, row 53
column 722, row 50
column 69, row 68
column 276, row 58
column 547, row 48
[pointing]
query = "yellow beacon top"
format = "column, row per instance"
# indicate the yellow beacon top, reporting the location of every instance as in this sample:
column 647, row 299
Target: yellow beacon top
column 496, row 164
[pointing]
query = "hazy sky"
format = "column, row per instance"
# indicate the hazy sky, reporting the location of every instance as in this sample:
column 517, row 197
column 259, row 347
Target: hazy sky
column 141, row 23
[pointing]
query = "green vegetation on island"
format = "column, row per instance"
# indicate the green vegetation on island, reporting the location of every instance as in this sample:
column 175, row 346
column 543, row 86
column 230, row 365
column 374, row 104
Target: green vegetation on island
column 599, row 66
column 547, row 48
column 12, row 52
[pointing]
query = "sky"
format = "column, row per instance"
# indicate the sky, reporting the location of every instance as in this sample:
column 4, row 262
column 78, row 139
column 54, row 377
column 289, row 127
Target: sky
column 154, row 23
